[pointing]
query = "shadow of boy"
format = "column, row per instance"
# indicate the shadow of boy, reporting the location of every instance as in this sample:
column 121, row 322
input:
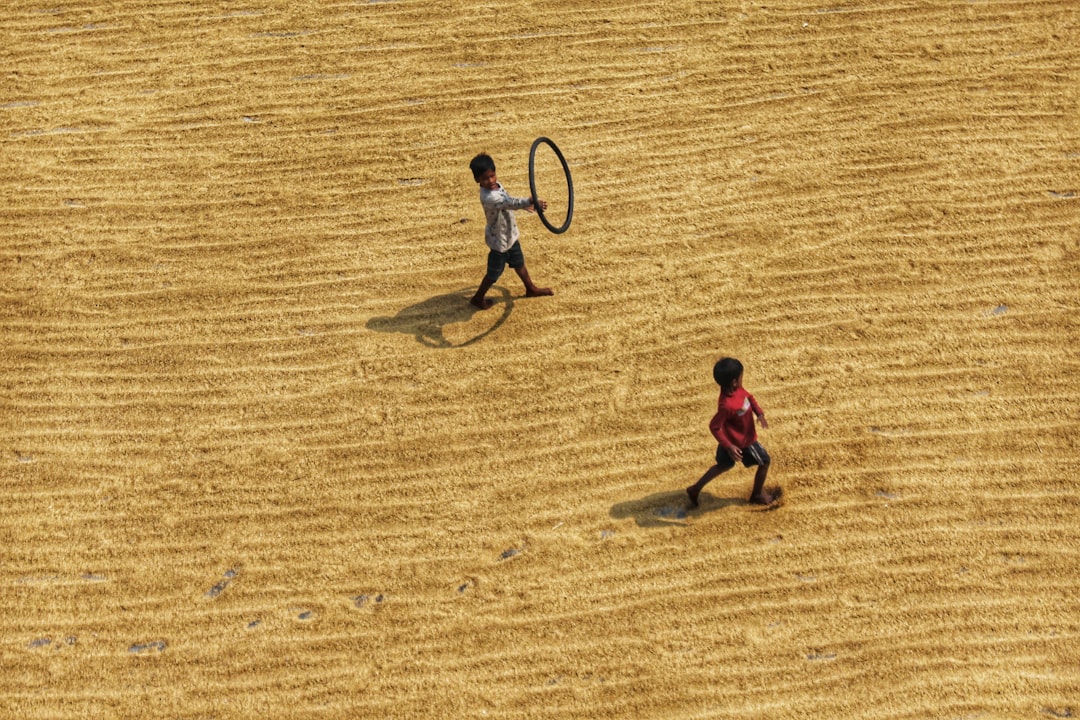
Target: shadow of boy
column 427, row 320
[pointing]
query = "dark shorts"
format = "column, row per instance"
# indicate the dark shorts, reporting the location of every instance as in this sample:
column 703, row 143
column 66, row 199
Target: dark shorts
column 755, row 454
column 497, row 261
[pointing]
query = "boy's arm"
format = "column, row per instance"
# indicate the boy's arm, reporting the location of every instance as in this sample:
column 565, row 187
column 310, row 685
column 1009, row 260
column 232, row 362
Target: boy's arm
column 716, row 427
column 503, row 201
column 758, row 411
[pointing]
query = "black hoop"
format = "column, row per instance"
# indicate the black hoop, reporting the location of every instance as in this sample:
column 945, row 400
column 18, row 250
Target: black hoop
column 532, row 185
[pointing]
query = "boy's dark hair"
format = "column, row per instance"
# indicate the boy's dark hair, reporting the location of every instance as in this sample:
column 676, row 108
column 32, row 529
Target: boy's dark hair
column 726, row 371
column 480, row 165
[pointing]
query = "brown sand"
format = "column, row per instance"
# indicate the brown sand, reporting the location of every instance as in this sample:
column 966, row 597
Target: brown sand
column 259, row 458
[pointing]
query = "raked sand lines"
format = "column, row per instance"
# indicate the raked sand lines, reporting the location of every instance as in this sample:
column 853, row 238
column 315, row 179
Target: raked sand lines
column 259, row 457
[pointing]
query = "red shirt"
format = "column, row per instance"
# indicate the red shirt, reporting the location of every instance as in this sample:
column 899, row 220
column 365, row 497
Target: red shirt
column 733, row 423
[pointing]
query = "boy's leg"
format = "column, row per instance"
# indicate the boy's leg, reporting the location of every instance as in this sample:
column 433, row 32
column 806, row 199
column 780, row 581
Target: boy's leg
column 758, row 496
column 531, row 290
column 496, row 262
column 694, row 490
column 478, row 299
column 516, row 260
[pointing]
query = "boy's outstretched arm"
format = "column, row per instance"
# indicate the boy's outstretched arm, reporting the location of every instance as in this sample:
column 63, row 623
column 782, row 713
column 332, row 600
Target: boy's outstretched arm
column 505, row 202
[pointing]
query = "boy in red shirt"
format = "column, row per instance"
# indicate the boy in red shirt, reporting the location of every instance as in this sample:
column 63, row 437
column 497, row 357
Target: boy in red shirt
column 733, row 428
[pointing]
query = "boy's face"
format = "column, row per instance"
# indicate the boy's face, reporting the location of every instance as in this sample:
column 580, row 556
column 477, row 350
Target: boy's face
column 488, row 181
column 736, row 384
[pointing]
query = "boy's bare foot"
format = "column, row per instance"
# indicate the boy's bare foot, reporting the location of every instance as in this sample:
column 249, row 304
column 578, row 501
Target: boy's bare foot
column 762, row 499
column 693, row 492
column 482, row 303
column 768, row 497
column 539, row 292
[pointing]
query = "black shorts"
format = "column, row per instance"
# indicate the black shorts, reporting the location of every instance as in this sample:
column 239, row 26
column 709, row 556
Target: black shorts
column 753, row 454
column 497, row 261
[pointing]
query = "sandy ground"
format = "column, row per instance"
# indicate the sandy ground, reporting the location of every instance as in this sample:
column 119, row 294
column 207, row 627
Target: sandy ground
column 259, row 458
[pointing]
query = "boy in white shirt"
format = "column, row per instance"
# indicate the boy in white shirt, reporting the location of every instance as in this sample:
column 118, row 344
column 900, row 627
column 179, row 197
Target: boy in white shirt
column 501, row 232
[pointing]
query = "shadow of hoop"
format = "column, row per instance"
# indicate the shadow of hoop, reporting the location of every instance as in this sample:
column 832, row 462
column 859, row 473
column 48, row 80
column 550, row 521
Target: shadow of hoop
column 669, row 508
column 427, row 320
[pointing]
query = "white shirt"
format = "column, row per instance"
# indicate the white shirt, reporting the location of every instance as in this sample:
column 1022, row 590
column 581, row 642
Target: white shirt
column 501, row 231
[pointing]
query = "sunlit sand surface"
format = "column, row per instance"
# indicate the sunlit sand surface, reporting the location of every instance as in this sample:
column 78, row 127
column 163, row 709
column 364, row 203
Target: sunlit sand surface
column 260, row 458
